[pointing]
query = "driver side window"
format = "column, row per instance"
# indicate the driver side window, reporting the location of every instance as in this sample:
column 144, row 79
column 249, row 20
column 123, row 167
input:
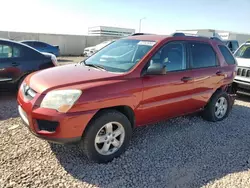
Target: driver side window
column 172, row 56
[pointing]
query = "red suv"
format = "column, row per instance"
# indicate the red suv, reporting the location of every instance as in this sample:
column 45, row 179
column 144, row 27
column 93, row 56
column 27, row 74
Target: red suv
column 132, row 82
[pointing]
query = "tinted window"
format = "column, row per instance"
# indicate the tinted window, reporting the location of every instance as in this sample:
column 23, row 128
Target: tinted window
column 202, row 55
column 172, row 55
column 235, row 45
column 243, row 51
column 5, row 51
column 227, row 54
column 16, row 52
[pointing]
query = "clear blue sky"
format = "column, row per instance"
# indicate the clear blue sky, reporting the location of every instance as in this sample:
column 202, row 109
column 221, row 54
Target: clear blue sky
column 162, row 16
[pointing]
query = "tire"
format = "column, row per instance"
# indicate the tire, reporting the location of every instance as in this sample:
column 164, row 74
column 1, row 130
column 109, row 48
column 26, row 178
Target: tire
column 94, row 150
column 211, row 109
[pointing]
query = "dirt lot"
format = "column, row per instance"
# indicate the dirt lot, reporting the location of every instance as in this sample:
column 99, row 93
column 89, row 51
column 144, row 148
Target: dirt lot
column 183, row 152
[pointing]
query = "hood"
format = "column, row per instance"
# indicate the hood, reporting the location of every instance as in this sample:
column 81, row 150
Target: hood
column 243, row 62
column 90, row 48
column 66, row 76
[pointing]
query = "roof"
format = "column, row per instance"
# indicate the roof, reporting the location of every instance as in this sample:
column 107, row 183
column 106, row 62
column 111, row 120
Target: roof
column 16, row 42
column 8, row 40
column 29, row 41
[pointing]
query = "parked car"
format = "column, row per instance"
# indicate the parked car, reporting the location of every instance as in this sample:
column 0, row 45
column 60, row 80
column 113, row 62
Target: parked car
column 18, row 60
column 242, row 79
column 132, row 82
column 89, row 51
column 233, row 45
column 43, row 47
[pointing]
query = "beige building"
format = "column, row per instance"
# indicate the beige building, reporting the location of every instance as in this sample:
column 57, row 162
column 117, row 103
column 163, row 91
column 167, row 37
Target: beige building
column 110, row 31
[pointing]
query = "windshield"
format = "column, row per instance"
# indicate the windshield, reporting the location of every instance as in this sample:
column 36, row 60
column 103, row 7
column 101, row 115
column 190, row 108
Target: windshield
column 243, row 51
column 103, row 44
column 121, row 55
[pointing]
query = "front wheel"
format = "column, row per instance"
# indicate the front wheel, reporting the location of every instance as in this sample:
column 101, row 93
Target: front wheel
column 218, row 107
column 107, row 136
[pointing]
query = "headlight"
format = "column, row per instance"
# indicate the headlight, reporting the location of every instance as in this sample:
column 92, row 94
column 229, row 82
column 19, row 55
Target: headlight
column 61, row 100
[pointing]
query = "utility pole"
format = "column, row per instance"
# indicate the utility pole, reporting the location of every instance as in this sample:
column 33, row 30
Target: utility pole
column 140, row 24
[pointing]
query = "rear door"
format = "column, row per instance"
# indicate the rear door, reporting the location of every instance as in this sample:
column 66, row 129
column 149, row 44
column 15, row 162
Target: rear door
column 207, row 74
column 10, row 66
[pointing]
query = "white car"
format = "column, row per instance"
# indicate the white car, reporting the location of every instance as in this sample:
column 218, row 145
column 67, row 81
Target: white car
column 92, row 49
column 242, row 78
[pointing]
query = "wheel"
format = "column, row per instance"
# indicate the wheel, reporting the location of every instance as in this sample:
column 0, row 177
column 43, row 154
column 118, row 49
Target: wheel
column 218, row 107
column 107, row 136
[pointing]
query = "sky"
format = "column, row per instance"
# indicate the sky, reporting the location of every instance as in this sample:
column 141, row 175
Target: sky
column 161, row 16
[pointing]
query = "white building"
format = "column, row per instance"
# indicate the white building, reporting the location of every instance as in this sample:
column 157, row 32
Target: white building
column 110, row 31
column 224, row 35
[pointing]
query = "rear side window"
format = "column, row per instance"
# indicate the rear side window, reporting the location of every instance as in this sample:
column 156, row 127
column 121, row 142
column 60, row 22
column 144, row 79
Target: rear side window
column 227, row 55
column 202, row 55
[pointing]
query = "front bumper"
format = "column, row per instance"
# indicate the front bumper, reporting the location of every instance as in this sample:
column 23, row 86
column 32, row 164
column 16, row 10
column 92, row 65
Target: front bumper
column 244, row 84
column 70, row 126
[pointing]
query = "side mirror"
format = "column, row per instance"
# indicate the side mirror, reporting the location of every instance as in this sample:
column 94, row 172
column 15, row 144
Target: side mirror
column 156, row 69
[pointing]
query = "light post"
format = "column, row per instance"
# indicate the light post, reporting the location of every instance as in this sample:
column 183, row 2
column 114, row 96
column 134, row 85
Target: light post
column 140, row 24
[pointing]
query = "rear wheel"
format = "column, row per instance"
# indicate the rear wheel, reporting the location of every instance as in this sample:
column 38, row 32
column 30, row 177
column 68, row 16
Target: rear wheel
column 107, row 136
column 218, row 107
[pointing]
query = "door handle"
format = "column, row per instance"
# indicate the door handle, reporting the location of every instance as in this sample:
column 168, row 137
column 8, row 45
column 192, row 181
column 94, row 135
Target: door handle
column 15, row 64
column 186, row 79
column 219, row 73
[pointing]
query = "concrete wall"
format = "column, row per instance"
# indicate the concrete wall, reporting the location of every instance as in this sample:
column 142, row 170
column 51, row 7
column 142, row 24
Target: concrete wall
column 69, row 44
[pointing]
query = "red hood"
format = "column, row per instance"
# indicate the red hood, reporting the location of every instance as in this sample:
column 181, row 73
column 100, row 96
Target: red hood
column 64, row 76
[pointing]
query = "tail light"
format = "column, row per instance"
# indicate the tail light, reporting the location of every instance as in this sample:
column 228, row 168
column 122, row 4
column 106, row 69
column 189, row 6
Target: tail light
column 54, row 60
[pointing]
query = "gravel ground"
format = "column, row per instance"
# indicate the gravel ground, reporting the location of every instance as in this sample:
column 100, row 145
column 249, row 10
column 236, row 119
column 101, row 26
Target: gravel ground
column 183, row 152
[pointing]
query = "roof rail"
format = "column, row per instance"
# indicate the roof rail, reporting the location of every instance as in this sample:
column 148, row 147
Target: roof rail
column 141, row 34
column 179, row 34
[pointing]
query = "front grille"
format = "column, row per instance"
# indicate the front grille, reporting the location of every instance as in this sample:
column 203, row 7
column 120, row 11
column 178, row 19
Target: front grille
column 45, row 125
column 244, row 72
column 28, row 92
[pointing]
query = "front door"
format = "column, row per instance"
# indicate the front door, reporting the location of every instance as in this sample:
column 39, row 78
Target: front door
column 167, row 95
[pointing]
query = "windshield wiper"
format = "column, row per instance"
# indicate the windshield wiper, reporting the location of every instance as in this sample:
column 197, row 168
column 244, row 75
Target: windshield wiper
column 95, row 66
